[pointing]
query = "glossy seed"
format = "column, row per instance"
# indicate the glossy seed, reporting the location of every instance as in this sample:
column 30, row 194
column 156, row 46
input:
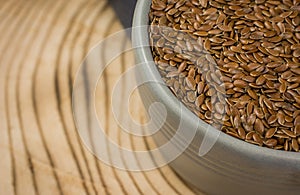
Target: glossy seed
column 271, row 143
column 297, row 130
column 296, row 53
column 235, row 64
column 295, row 145
column 259, row 126
column 191, row 83
column 280, row 118
column 201, row 33
column 240, row 83
column 257, row 139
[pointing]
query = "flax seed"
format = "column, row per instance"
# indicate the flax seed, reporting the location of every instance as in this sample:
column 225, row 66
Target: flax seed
column 236, row 66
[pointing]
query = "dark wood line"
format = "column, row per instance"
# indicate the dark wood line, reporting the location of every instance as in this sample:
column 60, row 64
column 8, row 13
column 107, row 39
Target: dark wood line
column 12, row 13
column 123, row 69
column 100, row 12
column 122, row 58
column 18, row 87
column 17, row 12
column 107, row 103
column 143, row 172
column 70, row 81
column 34, row 79
column 160, row 172
column 87, row 91
column 5, row 6
column 74, row 17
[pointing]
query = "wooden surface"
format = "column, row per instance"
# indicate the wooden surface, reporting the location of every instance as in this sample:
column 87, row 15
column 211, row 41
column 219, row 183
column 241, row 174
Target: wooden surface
column 42, row 44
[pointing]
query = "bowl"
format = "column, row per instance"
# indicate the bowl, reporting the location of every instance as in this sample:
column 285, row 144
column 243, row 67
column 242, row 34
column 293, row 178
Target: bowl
column 227, row 165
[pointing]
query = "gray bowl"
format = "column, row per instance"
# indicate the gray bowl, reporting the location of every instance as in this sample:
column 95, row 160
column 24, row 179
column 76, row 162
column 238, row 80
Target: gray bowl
column 231, row 166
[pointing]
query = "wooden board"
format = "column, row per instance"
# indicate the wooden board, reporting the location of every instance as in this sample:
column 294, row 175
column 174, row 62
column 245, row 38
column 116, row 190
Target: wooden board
column 42, row 44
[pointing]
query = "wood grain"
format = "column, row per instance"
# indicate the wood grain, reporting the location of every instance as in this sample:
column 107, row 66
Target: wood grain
column 41, row 47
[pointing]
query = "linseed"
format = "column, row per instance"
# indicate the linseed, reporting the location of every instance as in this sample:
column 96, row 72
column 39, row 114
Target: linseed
column 235, row 64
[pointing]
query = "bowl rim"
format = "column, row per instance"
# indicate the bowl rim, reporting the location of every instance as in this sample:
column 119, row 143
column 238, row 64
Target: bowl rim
column 141, row 38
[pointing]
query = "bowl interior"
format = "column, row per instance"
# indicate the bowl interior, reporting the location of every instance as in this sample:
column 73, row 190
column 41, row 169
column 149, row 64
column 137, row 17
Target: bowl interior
column 140, row 38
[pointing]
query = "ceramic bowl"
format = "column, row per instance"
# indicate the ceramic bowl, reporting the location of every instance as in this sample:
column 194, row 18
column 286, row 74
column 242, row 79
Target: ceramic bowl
column 231, row 166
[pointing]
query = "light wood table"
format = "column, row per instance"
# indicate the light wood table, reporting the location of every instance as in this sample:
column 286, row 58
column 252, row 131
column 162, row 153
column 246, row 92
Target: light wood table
column 42, row 44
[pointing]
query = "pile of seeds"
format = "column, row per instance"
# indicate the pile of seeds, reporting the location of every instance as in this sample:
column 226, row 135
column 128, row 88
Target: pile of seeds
column 235, row 64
